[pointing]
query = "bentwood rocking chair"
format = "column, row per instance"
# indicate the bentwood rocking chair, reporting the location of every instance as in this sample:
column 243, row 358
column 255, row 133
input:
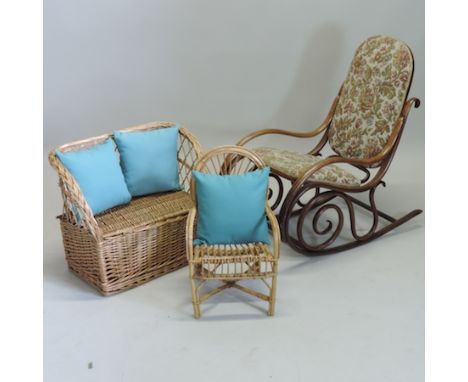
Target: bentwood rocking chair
column 363, row 128
column 231, row 264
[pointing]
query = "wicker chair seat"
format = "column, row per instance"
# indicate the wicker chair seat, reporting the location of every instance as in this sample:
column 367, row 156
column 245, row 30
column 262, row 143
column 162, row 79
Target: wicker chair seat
column 233, row 262
column 293, row 165
column 144, row 211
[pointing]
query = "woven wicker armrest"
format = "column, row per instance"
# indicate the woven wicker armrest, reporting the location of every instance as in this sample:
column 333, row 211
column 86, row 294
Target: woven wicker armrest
column 274, row 227
column 75, row 207
column 188, row 152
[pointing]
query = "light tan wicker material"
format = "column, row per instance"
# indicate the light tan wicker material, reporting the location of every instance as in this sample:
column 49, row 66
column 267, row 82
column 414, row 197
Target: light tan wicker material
column 144, row 211
column 231, row 264
column 127, row 245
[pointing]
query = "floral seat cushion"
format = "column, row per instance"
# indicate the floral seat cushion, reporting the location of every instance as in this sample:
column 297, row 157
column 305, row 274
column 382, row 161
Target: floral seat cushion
column 294, row 165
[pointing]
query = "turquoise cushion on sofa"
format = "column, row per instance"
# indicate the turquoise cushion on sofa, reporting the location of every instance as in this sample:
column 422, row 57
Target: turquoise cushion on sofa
column 98, row 174
column 231, row 208
column 149, row 159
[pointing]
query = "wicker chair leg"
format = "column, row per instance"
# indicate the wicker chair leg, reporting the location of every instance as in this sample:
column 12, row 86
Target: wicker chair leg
column 195, row 296
column 196, row 309
column 272, row 303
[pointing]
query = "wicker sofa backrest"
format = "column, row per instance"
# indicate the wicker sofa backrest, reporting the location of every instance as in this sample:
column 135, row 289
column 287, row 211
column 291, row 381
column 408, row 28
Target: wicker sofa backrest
column 75, row 207
column 372, row 97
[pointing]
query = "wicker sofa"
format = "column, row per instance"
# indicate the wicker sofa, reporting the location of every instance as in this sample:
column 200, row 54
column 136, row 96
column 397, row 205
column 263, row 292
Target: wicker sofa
column 127, row 245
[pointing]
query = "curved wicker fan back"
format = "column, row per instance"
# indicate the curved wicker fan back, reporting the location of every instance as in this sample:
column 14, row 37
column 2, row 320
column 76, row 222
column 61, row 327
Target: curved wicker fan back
column 229, row 160
column 372, row 97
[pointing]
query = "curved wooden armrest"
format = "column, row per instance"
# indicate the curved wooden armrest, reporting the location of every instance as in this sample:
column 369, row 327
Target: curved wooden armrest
column 413, row 101
column 367, row 162
column 296, row 134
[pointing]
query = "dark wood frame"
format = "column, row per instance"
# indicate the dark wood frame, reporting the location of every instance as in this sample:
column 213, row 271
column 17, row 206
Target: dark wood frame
column 291, row 205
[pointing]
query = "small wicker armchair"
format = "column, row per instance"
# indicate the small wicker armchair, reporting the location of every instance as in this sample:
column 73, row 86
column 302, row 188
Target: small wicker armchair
column 363, row 127
column 231, row 264
column 127, row 245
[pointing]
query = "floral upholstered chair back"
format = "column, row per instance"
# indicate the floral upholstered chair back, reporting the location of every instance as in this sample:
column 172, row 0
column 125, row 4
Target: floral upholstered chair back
column 372, row 97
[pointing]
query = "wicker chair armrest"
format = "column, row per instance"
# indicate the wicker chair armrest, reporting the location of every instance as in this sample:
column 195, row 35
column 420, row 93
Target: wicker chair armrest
column 275, row 231
column 297, row 134
column 188, row 151
column 189, row 231
column 75, row 207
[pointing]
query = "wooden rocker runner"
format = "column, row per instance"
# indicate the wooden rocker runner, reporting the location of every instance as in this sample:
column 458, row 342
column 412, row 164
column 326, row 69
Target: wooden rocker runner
column 363, row 127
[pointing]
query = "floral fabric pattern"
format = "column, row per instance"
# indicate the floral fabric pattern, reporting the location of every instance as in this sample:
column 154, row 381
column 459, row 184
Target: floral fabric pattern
column 295, row 165
column 371, row 98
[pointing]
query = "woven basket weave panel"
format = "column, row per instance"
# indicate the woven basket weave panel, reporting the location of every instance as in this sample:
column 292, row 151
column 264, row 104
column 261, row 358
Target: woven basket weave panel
column 152, row 251
column 127, row 260
column 136, row 257
column 141, row 241
column 81, row 252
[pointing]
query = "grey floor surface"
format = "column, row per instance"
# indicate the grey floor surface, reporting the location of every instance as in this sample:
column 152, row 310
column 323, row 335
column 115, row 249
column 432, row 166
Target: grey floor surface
column 355, row 316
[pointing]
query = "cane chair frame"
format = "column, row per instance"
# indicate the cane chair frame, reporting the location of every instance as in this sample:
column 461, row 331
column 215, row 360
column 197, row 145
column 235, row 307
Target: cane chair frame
column 235, row 262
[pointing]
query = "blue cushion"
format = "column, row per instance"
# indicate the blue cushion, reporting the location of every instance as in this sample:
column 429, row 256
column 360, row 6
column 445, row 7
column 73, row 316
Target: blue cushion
column 149, row 160
column 98, row 174
column 231, row 208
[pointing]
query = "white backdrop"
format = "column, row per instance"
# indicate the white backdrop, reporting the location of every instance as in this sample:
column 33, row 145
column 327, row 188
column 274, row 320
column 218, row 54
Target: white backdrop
column 222, row 68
